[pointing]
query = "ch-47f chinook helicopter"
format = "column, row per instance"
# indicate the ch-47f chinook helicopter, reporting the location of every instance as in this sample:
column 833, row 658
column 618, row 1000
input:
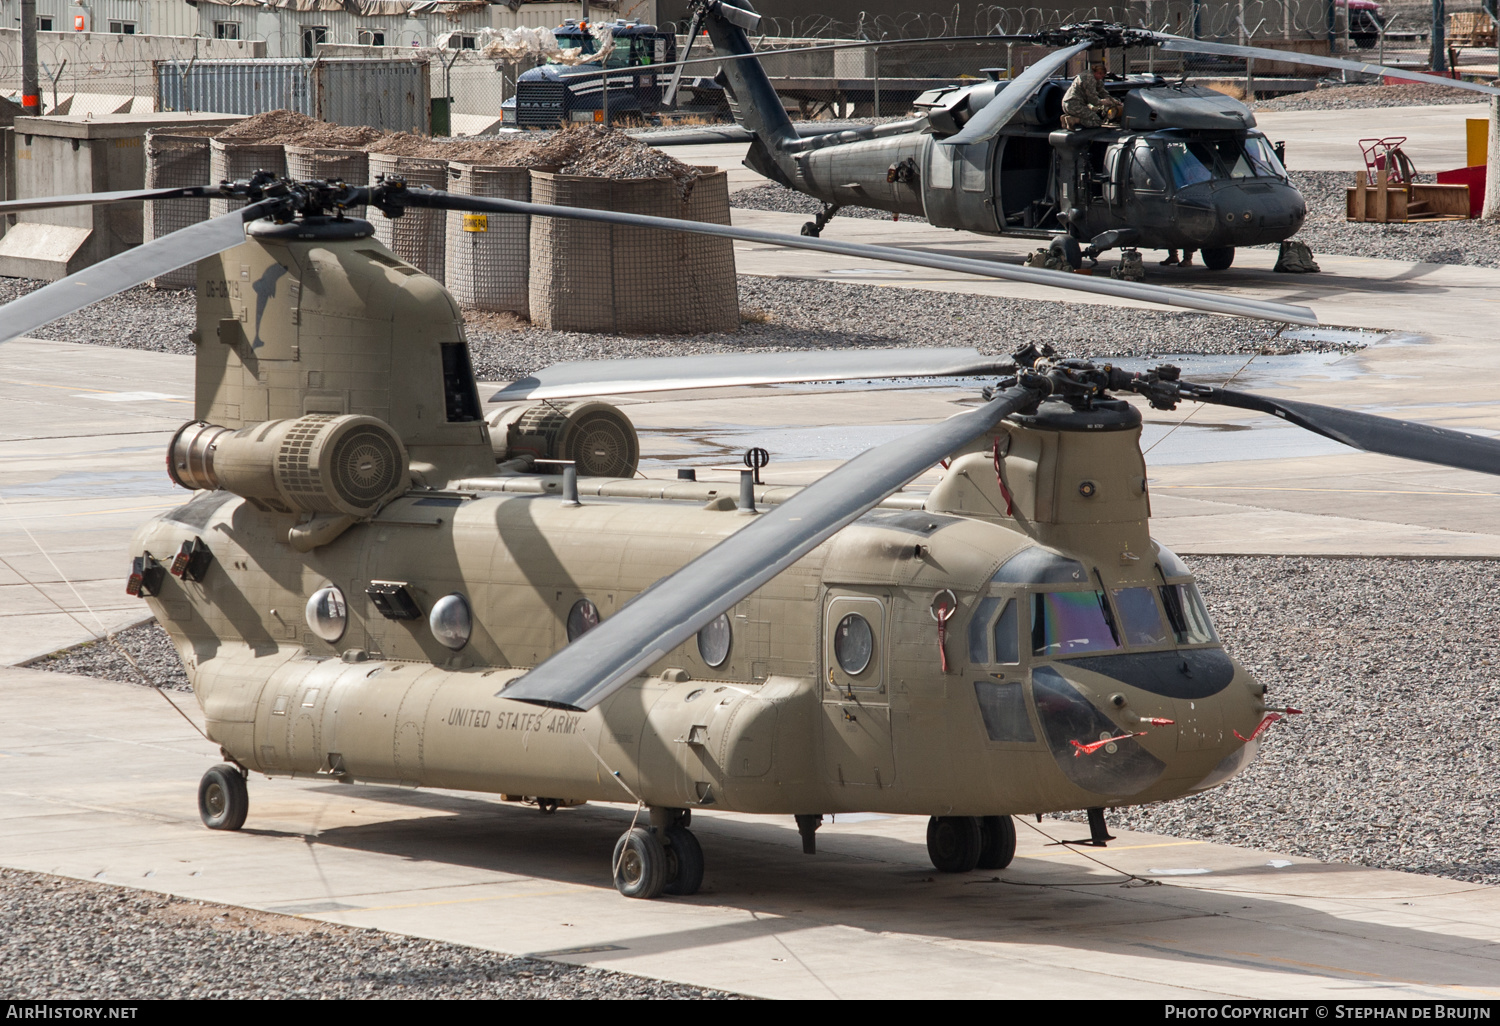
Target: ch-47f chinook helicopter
column 1185, row 167
column 372, row 584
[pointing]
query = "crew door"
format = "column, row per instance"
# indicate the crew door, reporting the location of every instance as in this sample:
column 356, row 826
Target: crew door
column 857, row 750
column 960, row 189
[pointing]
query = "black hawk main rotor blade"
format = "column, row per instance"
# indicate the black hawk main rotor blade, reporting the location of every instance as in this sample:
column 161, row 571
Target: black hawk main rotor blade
column 128, row 269
column 1236, row 306
column 676, row 607
column 996, row 114
column 1182, row 45
column 1384, row 435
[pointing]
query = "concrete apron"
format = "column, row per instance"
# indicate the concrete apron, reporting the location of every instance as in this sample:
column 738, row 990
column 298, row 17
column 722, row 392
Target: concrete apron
column 867, row 917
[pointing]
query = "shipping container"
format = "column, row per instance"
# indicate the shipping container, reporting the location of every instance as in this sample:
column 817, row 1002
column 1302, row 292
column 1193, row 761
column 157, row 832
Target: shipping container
column 386, row 94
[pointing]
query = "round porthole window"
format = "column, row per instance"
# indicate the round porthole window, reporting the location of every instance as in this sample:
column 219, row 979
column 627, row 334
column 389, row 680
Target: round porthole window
column 582, row 618
column 853, row 644
column 713, row 640
column 327, row 614
column 451, row 621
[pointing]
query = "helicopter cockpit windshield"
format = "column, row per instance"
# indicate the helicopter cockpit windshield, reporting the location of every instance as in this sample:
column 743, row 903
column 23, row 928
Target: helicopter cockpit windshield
column 1194, row 159
column 1070, row 616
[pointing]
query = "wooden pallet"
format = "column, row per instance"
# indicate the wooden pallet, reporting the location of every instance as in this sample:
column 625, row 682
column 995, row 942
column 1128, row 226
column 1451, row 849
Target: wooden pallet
column 1385, row 203
column 1470, row 28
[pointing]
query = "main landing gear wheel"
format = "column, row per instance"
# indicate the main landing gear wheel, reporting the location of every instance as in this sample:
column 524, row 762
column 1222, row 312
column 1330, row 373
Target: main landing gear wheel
column 684, row 862
column 1217, row 258
column 223, row 801
column 997, row 842
column 640, row 864
column 953, row 843
column 1066, row 249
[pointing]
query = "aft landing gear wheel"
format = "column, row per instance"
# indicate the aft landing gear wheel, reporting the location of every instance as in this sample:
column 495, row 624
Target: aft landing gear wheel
column 1066, row 249
column 810, row 229
column 997, row 842
column 953, row 843
column 684, row 862
column 1217, row 258
column 640, row 864
column 223, row 801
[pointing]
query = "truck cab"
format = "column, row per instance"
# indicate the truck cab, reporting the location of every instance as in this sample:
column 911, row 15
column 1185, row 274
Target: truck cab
column 555, row 94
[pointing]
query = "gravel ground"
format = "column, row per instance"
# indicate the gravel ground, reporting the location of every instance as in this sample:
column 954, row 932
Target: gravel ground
column 147, row 644
column 779, row 314
column 1326, row 230
column 1392, row 763
column 63, row 939
column 789, row 201
column 1365, row 97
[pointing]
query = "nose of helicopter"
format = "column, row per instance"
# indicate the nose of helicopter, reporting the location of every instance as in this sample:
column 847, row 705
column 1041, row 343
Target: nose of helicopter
column 1251, row 212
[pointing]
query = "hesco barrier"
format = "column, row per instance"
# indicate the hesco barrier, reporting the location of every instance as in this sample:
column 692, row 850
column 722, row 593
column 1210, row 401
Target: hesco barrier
column 417, row 235
column 320, row 163
column 241, row 160
column 175, row 159
column 488, row 260
column 594, row 277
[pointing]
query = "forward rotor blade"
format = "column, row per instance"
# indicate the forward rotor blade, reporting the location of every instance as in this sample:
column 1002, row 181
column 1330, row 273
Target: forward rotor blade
column 676, row 607
column 1229, row 50
column 724, row 370
column 994, row 115
column 1365, row 431
column 1233, row 305
column 128, row 269
column 98, row 198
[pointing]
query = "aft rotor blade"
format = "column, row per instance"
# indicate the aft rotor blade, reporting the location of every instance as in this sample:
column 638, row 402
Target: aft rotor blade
column 98, row 198
column 725, row 370
column 1229, row 50
column 1236, row 306
column 128, row 269
column 676, row 607
column 1383, row 435
column 996, row 114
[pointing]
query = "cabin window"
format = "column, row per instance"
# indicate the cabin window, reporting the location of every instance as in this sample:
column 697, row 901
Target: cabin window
column 1186, row 613
column 226, row 30
column 854, row 644
column 1065, row 623
column 327, row 614
column 582, row 618
column 451, row 621
column 1145, row 174
column 1140, row 617
column 312, row 35
column 714, row 639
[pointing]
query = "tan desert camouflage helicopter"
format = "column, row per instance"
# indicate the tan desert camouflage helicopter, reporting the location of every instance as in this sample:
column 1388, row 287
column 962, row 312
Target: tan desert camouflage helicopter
column 360, row 593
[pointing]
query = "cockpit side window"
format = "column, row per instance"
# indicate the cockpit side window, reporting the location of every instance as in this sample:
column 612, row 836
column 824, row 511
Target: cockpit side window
column 1187, row 614
column 1145, row 174
column 1071, row 622
column 979, row 630
column 1007, row 636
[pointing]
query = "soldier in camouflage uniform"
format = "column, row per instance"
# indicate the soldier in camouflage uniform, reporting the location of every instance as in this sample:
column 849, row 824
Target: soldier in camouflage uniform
column 1086, row 102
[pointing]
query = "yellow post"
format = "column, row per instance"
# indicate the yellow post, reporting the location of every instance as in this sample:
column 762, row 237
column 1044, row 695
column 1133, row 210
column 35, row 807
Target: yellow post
column 1477, row 132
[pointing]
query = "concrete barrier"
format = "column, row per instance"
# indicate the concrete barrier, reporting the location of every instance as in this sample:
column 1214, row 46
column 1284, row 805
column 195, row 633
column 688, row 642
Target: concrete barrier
column 417, row 236
column 595, row 277
column 488, row 255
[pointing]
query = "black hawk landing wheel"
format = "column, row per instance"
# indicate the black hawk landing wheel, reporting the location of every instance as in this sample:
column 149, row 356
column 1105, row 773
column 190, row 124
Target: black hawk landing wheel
column 1217, row 258
column 223, row 801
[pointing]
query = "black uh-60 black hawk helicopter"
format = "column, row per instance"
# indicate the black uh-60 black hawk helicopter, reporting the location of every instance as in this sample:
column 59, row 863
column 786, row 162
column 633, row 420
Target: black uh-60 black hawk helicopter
column 1183, row 167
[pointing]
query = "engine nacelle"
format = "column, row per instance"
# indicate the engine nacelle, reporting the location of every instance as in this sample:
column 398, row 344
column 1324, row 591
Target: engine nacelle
column 598, row 438
column 319, row 463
